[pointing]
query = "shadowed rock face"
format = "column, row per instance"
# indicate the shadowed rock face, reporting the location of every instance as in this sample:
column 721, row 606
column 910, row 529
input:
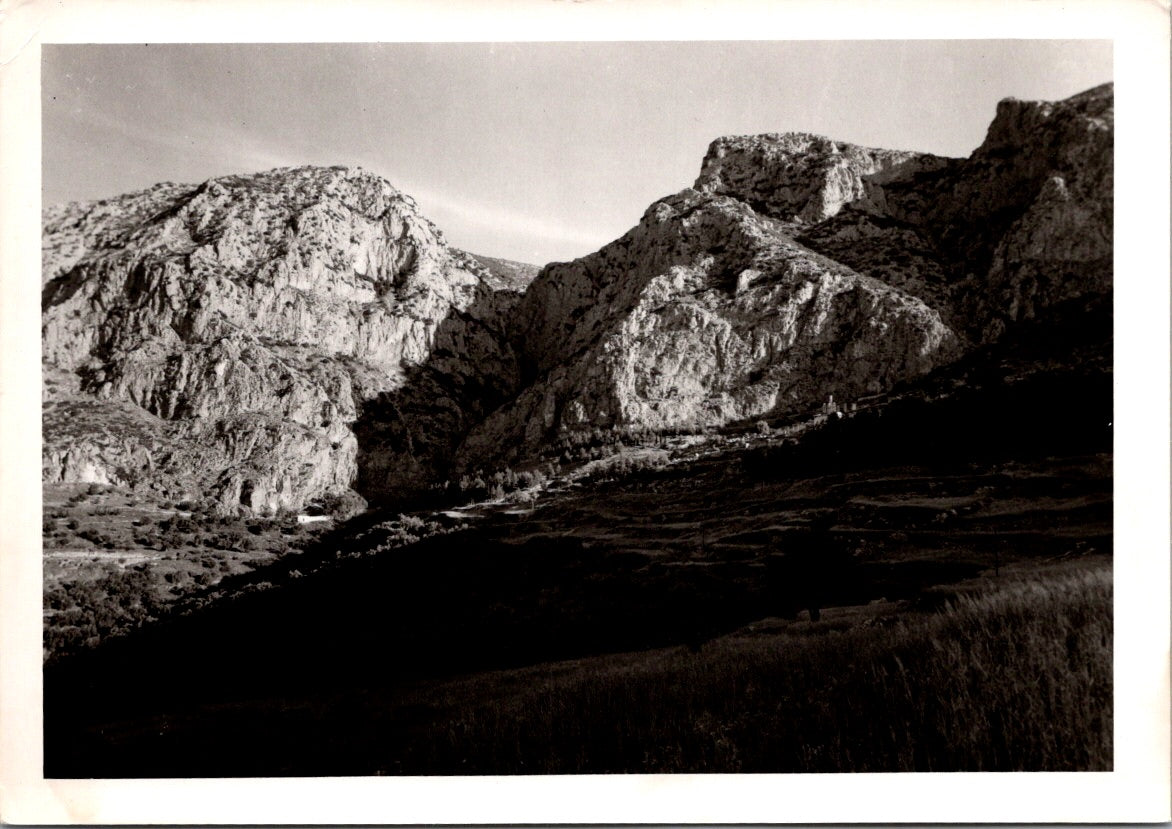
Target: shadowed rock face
column 798, row 267
column 269, row 339
column 1024, row 223
column 246, row 323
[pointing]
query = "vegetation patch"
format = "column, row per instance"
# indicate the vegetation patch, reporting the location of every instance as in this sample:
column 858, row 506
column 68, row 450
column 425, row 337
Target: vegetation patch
column 115, row 559
column 1014, row 678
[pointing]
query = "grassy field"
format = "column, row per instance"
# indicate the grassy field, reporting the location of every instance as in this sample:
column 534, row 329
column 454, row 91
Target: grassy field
column 629, row 626
column 1016, row 676
column 624, row 625
column 1009, row 672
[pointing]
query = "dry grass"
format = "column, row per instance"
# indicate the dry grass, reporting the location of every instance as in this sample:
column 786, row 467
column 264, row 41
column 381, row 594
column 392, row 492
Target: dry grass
column 1018, row 678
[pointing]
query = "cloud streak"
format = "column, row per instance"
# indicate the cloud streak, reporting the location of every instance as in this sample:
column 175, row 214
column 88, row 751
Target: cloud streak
column 231, row 146
column 514, row 229
column 226, row 148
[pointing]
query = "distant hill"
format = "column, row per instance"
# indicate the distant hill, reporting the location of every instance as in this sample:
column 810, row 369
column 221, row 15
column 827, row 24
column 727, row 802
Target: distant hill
column 512, row 276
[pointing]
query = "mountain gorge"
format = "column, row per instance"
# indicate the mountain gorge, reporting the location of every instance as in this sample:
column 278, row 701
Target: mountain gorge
column 295, row 336
column 768, row 484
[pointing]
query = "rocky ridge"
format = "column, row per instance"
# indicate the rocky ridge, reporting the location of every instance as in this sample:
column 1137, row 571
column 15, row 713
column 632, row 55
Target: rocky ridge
column 799, row 268
column 283, row 337
column 1022, row 224
column 705, row 313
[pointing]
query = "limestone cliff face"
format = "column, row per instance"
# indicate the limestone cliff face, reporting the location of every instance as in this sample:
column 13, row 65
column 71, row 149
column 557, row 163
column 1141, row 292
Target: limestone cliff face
column 273, row 338
column 1043, row 184
column 798, row 267
column 805, row 178
column 256, row 319
column 1024, row 223
column 705, row 313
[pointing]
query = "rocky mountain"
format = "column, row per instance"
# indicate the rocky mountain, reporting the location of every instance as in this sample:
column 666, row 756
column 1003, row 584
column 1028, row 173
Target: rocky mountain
column 706, row 313
column 1022, row 224
column 287, row 336
column 232, row 338
column 798, row 267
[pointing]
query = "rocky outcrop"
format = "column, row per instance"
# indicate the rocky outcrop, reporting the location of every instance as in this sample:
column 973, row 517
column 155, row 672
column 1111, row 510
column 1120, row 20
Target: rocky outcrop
column 256, row 319
column 1024, row 223
column 1043, row 183
column 705, row 313
column 274, row 338
column 798, row 267
column 806, row 178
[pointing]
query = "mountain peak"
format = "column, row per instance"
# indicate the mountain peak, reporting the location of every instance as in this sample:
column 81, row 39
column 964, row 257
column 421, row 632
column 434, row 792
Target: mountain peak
column 253, row 316
column 1050, row 124
column 802, row 177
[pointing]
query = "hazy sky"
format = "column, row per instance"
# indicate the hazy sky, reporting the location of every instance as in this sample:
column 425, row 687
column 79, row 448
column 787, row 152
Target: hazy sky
column 530, row 151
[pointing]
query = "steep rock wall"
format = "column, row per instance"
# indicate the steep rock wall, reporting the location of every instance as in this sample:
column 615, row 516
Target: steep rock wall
column 1024, row 223
column 256, row 318
column 805, row 178
column 799, row 267
column 271, row 338
column 705, row 313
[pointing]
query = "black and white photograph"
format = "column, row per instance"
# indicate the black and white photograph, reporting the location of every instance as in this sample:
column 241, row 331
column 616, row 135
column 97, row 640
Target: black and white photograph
column 605, row 407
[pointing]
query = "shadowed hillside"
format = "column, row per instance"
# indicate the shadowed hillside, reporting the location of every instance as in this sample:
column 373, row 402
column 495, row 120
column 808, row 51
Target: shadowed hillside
column 676, row 556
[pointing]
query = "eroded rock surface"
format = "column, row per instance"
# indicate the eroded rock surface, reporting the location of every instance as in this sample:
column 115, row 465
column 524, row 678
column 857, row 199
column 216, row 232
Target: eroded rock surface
column 806, row 178
column 252, row 321
column 1024, row 223
column 274, row 338
column 705, row 313
column 799, row 267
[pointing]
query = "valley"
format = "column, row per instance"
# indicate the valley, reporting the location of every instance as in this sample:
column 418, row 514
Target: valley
column 416, row 640
column 811, row 470
column 423, row 658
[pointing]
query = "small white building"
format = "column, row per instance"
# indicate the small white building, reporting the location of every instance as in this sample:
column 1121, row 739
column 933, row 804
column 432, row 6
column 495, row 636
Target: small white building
column 312, row 519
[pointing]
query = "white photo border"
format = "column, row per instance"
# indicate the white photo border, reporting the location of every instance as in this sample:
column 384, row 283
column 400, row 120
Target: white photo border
column 1138, row 788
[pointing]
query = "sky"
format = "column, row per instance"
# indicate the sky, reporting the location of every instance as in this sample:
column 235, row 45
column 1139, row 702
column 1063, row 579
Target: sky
column 537, row 152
